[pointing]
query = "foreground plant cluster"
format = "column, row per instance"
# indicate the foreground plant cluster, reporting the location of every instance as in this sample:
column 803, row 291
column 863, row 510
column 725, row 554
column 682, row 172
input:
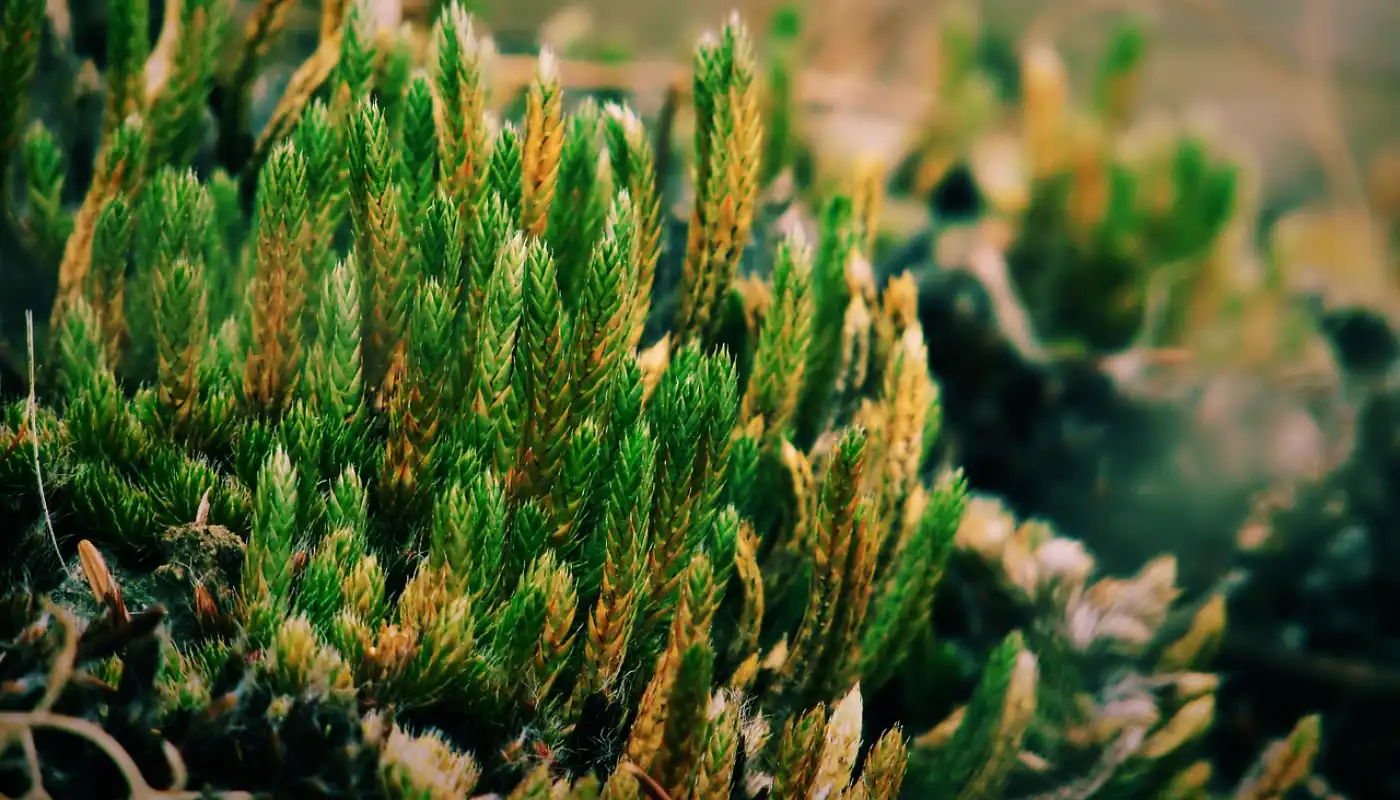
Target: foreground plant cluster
column 381, row 489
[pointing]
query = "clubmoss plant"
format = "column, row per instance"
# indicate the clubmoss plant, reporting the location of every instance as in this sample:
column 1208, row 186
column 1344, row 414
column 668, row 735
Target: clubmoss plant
column 1117, row 218
column 467, row 511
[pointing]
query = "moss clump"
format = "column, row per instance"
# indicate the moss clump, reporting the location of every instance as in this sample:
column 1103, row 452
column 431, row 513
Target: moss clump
column 396, row 435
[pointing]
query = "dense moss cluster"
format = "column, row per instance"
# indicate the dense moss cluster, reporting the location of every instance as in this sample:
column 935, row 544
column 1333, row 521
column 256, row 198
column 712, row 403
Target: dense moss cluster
column 382, row 490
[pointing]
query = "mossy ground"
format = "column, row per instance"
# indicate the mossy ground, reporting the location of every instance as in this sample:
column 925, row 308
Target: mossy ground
column 1060, row 437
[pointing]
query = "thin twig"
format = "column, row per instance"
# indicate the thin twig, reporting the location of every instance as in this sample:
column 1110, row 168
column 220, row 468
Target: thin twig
column 1362, row 677
column 180, row 774
column 33, row 410
column 31, row 763
column 61, row 671
column 650, row 787
column 104, row 741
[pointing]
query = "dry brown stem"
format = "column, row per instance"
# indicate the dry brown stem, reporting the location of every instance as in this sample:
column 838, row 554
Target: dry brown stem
column 22, row 724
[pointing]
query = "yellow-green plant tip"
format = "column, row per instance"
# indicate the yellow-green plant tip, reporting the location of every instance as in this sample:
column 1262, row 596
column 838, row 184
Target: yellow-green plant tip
column 425, row 767
column 459, row 106
column 543, row 143
column 841, row 744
